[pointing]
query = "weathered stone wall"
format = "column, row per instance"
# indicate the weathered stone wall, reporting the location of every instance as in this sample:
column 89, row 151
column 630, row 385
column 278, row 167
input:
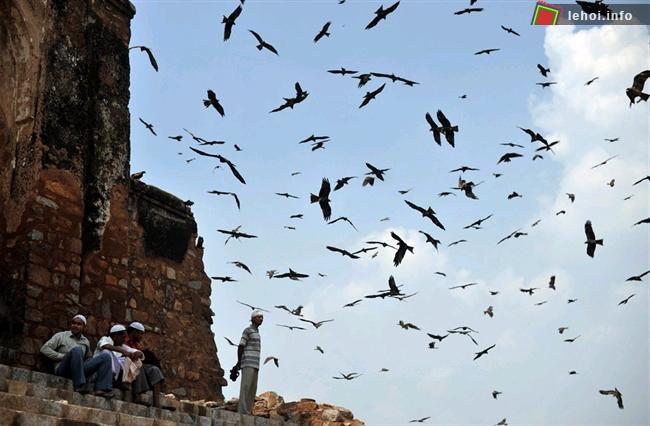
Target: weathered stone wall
column 76, row 234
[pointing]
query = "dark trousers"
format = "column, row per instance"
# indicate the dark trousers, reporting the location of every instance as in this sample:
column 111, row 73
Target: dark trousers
column 74, row 367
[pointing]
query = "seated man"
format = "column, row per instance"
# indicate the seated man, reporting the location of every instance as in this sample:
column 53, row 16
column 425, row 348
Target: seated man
column 113, row 345
column 71, row 352
column 150, row 377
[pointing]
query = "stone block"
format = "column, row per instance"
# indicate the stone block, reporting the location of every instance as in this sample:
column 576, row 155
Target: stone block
column 39, row 275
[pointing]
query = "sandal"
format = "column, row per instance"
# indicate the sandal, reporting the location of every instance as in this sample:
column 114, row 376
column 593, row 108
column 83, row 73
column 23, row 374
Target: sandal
column 105, row 393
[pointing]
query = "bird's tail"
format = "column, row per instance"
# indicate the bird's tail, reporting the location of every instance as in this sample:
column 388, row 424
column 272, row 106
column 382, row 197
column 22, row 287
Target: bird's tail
column 599, row 242
column 206, row 103
column 644, row 96
column 313, row 198
column 454, row 128
column 259, row 47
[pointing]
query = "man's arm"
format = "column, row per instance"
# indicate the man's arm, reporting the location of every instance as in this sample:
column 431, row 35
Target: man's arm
column 240, row 354
column 133, row 355
column 49, row 349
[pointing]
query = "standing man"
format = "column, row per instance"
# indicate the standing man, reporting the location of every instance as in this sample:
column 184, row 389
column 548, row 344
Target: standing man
column 248, row 359
column 71, row 352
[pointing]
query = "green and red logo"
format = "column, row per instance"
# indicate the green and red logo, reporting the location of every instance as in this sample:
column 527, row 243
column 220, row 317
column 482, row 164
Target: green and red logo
column 546, row 14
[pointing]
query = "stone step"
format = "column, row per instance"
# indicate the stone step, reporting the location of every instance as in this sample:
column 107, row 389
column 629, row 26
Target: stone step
column 23, row 418
column 64, row 410
column 14, row 387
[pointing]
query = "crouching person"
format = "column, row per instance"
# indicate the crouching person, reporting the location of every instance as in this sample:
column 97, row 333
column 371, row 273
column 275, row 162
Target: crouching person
column 113, row 347
column 150, row 377
column 70, row 350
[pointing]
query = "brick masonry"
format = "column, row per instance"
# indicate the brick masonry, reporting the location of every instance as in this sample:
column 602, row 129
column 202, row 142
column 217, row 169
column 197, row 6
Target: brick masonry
column 76, row 234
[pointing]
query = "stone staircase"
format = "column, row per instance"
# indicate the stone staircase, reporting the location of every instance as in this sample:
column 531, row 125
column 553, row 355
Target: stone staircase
column 33, row 398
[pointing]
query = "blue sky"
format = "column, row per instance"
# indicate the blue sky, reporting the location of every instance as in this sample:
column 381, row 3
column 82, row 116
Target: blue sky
column 425, row 42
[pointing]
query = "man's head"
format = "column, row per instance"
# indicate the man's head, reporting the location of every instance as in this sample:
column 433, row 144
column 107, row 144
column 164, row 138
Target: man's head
column 77, row 324
column 257, row 317
column 118, row 334
column 135, row 330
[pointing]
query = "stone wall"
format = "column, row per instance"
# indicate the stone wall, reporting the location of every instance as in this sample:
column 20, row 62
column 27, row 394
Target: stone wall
column 76, row 234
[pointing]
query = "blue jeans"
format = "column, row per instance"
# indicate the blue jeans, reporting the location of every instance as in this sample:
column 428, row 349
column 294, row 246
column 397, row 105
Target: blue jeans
column 74, row 367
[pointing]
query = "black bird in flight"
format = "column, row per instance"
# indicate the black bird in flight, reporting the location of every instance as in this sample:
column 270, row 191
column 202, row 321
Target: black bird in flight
column 638, row 277
column 597, row 7
column 430, row 239
column 428, row 213
column 148, row 126
column 224, row 279
column 514, row 194
column 530, row 291
column 301, row 95
column 543, row 71
column 230, row 342
column 627, row 299
column 241, row 265
column 262, row 44
column 348, row 376
column 467, row 187
column 316, row 324
column 297, row 312
column 512, row 145
column 642, row 221
column 292, row 275
column 313, row 138
column 456, row 243
column 612, row 140
column 591, row 239
column 323, row 32
column 380, row 14
column 468, row 10
column 591, row 81
column 381, row 243
column 227, row 193
column 222, row 159
column 323, row 199
column 509, row 30
column 274, row 359
column 152, row 60
column 343, row 252
column 463, row 169
column 286, row 195
column 483, row 352
column 534, row 136
column 616, row 394
column 394, row 78
column 212, row 100
column 506, row 158
column 342, row 71
column 476, row 224
column 546, row 84
column 229, row 22
column 445, row 128
column 401, row 250
column 345, row 219
column 636, row 91
column 393, row 290
column 340, row 183
column 235, row 234
column 421, row 420
column 486, row 51
column 291, row 327
column 363, row 79
column 176, row 138
column 572, row 339
column 371, row 95
column 202, row 141
column 641, row 180
column 251, row 306
column 379, row 173
column 351, row 304
column 463, row 286
column 551, row 282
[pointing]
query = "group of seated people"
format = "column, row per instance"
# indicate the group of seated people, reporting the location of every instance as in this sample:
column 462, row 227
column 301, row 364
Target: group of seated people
column 119, row 359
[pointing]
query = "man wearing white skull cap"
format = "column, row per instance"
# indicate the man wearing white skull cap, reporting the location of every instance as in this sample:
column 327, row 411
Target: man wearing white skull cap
column 248, row 360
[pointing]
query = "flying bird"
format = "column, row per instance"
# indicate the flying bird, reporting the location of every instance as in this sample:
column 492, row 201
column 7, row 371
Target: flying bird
column 148, row 126
column 263, row 44
column 319, row 349
column 495, row 394
column 602, row 163
column 551, row 282
column 627, row 299
column 379, row 173
column 234, row 233
column 507, row 157
column 641, row 180
column 251, row 306
column 427, row 213
column 509, row 30
column 371, row 95
column 224, row 279
column 407, row 325
column 222, row 159
column 468, row 10
column 381, row 13
column 323, row 199
column 591, row 81
column 642, row 221
column 291, row 327
column 316, row 324
column 323, row 32
column 467, row 187
column 227, row 193
column 571, row 340
column 430, row 239
column 402, row 248
column 351, row 304
column 363, row 79
column 543, row 71
column 477, row 223
column 348, row 376
column 591, row 239
column 636, row 91
column 241, row 265
column 422, row 420
column 230, row 342
column 343, row 252
column 616, row 394
column 212, row 100
column 486, row 51
column 286, row 195
column 638, row 277
column 463, row 286
column 345, row 219
column 483, row 352
column 229, row 22
column 274, row 359
column 530, row 291
column 152, row 60
column 342, row 71
column 610, row 140
column 292, row 275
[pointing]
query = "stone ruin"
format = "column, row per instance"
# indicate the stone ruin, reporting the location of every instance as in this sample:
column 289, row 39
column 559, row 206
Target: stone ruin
column 77, row 235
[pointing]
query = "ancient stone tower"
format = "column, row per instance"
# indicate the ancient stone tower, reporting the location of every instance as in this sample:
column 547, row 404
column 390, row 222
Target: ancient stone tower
column 76, row 234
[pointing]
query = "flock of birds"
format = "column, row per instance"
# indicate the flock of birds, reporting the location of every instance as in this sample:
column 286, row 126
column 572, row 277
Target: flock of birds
column 440, row 127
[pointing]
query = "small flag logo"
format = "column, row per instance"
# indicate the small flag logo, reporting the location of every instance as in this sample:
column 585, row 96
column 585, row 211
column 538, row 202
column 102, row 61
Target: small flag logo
column 546, row 14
